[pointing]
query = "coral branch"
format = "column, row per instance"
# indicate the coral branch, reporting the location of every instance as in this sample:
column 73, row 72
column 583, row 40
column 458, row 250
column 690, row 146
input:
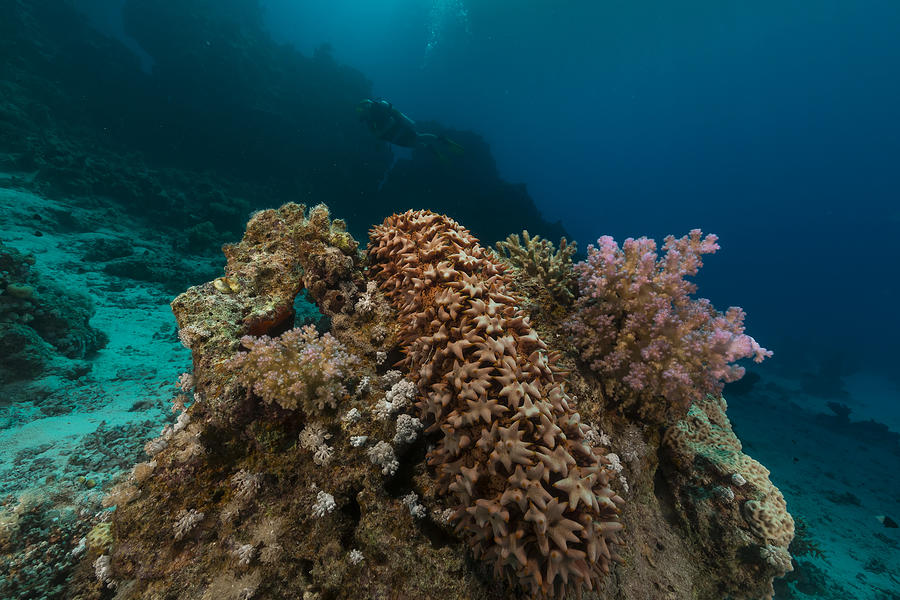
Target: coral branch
column 640, row 330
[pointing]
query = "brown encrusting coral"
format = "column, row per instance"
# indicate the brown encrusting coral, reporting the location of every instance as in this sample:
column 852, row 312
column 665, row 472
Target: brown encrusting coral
column 531, row 496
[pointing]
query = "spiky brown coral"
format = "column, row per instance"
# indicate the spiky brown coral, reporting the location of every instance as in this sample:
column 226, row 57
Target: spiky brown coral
column 531, row 496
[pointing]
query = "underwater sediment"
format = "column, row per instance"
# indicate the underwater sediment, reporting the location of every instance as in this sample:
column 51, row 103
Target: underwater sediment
column 433, row 435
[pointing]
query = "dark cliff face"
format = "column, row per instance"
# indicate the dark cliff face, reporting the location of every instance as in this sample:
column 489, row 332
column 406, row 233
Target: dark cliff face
column 224, row 122
column 236, row 101
column 467, row 187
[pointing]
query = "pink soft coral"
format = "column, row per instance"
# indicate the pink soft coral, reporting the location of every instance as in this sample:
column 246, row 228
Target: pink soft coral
column 298, row 369
column 639, row 329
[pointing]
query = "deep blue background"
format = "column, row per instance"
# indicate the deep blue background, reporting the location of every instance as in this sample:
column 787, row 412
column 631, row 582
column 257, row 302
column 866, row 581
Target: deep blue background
column 772, row 123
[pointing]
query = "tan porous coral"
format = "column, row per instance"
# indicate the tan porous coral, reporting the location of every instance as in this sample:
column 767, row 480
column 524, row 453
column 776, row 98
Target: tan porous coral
column 705, row 456
column 531, row 496
column 538, row 258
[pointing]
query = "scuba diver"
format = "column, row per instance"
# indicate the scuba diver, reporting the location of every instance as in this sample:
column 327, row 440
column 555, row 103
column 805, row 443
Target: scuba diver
column 389, row 124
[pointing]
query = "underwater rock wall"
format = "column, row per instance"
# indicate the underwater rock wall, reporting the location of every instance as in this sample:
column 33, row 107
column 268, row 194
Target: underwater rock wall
column 224, row 120
column 253, row 495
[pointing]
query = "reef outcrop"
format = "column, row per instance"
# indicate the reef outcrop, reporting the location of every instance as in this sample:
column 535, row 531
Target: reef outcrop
column 706, row 466
column 433, row 451
column 43, row 327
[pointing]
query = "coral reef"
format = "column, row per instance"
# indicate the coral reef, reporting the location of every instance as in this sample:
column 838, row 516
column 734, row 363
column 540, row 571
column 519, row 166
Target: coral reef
column 539, row 259
column 388, row 488
column 245, row 463
column 868, row 431
column 41, row 324
column 530, row 495
column 44, row 535
column 301, row 251
column 653, row 346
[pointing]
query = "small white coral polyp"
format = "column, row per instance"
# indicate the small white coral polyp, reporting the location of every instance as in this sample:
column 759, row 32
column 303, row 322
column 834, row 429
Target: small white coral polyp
column 298, row 369
column 382, row 454
column 323, row 505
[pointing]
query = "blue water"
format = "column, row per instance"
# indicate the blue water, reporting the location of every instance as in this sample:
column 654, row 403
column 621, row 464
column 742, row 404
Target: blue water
column 773, row 124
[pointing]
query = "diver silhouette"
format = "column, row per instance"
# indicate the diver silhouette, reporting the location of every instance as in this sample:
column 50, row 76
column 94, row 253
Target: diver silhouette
column 389, row 124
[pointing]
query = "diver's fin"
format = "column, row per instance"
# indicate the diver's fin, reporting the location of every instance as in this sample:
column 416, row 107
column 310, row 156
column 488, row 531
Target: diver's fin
column 453, row 146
